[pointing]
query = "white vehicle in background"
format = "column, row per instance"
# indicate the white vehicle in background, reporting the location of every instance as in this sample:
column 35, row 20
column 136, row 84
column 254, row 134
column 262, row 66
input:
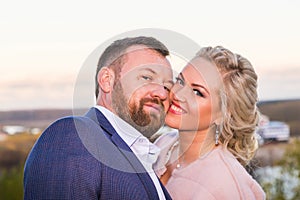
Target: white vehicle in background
column 274, row 130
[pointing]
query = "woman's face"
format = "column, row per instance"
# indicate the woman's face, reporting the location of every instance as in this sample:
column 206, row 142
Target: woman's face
column 195, row 97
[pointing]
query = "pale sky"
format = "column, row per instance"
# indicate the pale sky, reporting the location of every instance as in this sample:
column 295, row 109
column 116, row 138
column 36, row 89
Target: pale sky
column 43, row 44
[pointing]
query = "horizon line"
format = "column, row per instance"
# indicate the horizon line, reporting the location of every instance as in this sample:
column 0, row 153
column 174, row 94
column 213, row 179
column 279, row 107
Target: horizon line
column 84, row 108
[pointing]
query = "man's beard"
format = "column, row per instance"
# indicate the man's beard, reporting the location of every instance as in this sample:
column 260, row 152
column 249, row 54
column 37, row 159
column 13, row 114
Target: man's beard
column 135, row 115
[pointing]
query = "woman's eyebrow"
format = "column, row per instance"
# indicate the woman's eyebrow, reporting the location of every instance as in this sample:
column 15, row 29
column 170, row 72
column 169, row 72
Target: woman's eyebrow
column 180, row 74
column 194, row 84
column 201, row 86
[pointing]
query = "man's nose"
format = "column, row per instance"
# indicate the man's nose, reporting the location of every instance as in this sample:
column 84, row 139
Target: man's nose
column 159, row 91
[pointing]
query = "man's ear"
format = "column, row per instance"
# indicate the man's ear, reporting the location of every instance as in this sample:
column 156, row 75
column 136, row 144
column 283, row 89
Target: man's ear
column 106, row 79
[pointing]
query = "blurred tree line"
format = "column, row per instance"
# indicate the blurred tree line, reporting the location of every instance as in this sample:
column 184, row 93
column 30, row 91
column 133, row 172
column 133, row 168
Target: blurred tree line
column 283, row 180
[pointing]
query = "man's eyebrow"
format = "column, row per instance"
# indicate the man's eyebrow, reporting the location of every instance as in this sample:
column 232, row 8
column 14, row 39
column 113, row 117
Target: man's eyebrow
column 171, row 82
column 148, row 69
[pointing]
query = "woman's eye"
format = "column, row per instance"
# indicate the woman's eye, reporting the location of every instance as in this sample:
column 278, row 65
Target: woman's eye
column 198, row 93
column 167, row 88
column 179, row 81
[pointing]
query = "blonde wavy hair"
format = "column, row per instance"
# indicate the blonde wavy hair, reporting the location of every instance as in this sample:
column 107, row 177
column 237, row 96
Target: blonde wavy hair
column 238, row 102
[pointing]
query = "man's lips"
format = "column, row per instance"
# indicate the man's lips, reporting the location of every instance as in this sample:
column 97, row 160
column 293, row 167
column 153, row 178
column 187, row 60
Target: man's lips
column 153, row 106
column 176, row 109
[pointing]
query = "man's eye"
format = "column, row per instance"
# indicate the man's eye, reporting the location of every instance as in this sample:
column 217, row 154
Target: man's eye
column 198, row 93
column 179, row 81
column 147, row 78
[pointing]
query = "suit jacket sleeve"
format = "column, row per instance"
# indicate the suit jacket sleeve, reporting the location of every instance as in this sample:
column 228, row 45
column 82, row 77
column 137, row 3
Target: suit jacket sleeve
column 60, row 167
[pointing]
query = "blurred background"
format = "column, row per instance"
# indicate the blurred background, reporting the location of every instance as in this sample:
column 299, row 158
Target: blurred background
column 44, row 45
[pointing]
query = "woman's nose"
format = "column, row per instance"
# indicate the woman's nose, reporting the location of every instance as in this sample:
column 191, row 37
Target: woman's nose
column 177, row 93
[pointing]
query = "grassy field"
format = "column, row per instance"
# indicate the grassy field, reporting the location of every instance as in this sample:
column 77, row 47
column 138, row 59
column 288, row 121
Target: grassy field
column 13, row 153
column 14, row 149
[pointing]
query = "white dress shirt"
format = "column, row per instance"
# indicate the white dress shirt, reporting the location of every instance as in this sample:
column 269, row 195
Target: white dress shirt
column 146, row 151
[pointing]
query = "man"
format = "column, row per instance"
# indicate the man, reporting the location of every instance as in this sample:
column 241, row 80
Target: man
column 106, row 154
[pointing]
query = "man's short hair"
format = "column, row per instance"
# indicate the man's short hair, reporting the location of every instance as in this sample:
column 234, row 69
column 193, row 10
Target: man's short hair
column 113, row 54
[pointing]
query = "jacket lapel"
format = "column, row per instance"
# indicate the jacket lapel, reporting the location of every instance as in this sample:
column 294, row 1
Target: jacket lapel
column 167, row 195
column 125, row 150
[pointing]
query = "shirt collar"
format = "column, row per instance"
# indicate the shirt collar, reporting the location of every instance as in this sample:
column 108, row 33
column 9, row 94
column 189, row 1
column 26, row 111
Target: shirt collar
column 139, row 144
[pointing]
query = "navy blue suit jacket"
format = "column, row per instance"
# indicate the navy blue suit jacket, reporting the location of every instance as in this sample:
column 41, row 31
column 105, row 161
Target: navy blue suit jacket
column 84, row 158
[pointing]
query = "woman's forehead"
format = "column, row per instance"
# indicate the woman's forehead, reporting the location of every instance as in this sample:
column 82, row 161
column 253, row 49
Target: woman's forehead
column 200, row 69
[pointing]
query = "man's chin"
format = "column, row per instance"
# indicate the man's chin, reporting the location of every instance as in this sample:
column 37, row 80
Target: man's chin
column 153, row 121
column 148, row 130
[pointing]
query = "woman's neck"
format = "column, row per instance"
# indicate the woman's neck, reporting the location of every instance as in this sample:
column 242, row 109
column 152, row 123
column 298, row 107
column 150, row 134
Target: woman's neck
column 194, row 144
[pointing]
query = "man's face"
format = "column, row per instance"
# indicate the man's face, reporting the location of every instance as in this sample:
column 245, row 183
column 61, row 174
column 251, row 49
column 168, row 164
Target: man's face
column 141, row 95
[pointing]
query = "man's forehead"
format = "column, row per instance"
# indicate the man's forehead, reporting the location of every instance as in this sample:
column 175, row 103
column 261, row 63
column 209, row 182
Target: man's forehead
column 135, row 48
column 140, row 57
column 150, row 68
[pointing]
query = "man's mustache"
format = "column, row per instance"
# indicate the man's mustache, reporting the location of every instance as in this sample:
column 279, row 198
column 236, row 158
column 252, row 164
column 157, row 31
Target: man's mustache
column 152, row 100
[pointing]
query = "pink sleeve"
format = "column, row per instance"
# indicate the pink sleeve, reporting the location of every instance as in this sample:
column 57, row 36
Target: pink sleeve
column 165, row 142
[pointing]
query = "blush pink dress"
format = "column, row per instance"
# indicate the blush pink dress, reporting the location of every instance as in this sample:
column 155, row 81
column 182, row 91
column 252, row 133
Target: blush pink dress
column 216, row 175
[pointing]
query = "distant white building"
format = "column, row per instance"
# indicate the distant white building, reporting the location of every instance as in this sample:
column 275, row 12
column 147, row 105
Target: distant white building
column 35, row 131
column 274, row 130
column 12, row 130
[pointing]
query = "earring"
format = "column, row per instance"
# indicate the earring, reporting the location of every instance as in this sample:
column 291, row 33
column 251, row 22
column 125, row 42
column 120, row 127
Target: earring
column 217, row 136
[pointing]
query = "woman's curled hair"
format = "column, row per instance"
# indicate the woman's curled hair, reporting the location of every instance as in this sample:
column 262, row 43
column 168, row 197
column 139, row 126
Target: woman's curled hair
column 238, row 96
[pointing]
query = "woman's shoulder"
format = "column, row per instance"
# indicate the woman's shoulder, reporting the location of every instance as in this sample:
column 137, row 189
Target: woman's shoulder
column 246, row 184
column 218, row 165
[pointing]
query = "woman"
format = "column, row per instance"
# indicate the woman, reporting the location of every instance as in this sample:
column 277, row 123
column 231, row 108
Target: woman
column 214, row 109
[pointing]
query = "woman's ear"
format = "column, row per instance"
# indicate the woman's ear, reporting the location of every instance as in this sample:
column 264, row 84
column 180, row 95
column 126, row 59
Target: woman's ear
column 218, row 121
column 106, row 79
